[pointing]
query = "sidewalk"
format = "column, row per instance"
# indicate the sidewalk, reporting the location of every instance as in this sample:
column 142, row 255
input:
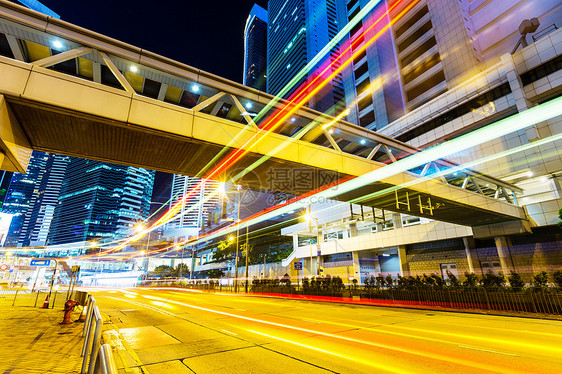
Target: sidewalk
column 33, row 341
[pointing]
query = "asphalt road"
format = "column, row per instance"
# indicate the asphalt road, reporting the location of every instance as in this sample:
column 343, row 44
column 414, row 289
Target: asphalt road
column 194, row 332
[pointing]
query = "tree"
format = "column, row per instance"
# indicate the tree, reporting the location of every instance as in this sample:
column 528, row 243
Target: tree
column 163, row 271
column 181, row 271
column 471, row 280
column 560, row 216
column 515, row 281
column 540, row 280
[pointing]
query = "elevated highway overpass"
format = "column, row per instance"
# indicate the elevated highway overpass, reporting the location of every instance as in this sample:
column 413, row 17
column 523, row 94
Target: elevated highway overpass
column 67, row 90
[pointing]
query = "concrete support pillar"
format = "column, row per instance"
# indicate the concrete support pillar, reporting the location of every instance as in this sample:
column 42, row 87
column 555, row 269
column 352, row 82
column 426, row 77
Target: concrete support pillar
column 555, row 187
column 353, row 230
column 356, row 267
column 295, row 241
column 471, row 256
column 503, row 245
column 521, row 100
column 404, row 265
column 397, row 220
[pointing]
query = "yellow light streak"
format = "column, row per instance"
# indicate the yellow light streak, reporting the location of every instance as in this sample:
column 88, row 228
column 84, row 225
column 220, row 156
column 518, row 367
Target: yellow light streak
column 335, row 120
column 415, row 352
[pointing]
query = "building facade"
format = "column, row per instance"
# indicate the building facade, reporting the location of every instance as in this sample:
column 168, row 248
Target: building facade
column 39, row 216
column 456, row 70
column 100, row 201
column 297, row 31
column 255, row 49
column 20, row 194
column 199, row 200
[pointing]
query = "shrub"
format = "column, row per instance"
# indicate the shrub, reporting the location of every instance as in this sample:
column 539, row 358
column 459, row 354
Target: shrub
column 286, row 281
column 557, row 276
column 369, row 282
column 452, row 279
column 540, row 280
column 438, row 282
column 471, row 280
column 337, row 283
column 515, row 281
column 379, row 281
column 493, row 282
column 389, row 281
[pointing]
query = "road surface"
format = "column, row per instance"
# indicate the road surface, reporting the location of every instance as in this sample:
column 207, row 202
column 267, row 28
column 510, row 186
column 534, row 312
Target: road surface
column 182, row 331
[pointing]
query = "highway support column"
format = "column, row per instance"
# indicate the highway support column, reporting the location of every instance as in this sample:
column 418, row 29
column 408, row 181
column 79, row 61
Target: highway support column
column 404, row 265
column 503, row 244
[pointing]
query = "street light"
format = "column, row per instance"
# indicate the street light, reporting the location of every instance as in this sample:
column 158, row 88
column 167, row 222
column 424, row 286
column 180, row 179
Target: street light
column 237, row 235
column 139, row 229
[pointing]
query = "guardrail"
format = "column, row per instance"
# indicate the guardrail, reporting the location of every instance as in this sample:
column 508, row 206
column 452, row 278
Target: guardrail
column 25, row 297
column 545, row 302
column 97, row 357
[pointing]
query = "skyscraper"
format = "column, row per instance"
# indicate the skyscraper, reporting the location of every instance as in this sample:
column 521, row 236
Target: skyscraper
column 195, row 210
column 373, row 91
column 427, row 49
column 21, row 192
column 255, row 49
column 39, row 215
column 100, row 201
column 297, row 31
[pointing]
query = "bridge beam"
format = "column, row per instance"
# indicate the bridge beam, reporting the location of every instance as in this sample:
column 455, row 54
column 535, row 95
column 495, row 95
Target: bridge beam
column 15, row 150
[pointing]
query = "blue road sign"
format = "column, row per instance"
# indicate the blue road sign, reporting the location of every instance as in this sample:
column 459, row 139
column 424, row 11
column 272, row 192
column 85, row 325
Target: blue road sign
column 298, row 265
column 40, row 262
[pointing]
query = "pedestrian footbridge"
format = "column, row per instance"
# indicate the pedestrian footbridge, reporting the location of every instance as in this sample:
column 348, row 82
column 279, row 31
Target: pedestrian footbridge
column 68, row 90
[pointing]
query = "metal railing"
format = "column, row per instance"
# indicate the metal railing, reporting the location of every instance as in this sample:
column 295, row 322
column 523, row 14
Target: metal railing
column 547, row 30
column 97, row 357
column 24, row 297
column 545, row 302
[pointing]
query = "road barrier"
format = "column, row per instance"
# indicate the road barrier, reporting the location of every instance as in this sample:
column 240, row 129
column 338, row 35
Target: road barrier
column 25, row 297
column 97, row 357
column 529, row 301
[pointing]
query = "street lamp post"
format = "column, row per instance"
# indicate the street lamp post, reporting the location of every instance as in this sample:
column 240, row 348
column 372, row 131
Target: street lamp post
column 247, row 255
column 237, row 235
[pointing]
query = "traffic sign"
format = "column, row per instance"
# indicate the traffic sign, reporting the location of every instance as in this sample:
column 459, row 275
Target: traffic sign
column 4, row 267
column 40, row 262
column 75, row 269
column 298, row 265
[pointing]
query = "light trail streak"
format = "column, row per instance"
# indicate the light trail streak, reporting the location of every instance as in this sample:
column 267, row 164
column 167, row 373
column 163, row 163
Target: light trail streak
column 309, row 66
column 460, row 168
column 538, row 347
column 519, row 121
column 415, row 352
column 272, row 123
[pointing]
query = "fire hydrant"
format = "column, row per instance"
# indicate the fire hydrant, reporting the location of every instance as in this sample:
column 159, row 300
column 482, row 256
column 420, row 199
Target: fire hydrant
column 68, row 308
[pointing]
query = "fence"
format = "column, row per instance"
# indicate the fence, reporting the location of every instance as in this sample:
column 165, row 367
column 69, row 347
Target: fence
column 528, row 301
column 97, row 357
column 23, row 297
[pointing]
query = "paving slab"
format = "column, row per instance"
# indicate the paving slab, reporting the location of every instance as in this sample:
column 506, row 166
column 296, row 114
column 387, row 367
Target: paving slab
column 32, row 340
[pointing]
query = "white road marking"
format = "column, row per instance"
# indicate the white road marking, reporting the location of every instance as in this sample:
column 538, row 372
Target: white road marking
column 230, row 332
column 488, row 350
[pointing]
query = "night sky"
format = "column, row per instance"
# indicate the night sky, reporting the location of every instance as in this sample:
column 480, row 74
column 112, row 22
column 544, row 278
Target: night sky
column 206, row 34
